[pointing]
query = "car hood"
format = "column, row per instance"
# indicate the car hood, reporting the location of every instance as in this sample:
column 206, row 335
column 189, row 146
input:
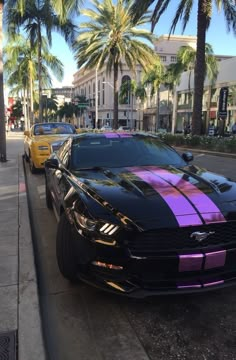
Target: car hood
column 153, row 197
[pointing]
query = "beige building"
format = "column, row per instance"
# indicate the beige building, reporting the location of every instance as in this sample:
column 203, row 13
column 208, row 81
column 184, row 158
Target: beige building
column 154, row 113
column 89, row 82
column 167, row 46
column 183, row 100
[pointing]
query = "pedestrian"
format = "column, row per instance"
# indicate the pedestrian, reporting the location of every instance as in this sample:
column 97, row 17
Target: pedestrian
column 234, row 128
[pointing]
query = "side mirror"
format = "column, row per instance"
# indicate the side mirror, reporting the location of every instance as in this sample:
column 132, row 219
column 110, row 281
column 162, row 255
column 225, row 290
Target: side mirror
column 26, row 132
column 188, row 156
column 52, row 163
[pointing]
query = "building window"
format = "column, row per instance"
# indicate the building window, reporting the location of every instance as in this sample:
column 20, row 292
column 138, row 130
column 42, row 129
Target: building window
column 163, row 58
column 126, row 98
column 173, row 59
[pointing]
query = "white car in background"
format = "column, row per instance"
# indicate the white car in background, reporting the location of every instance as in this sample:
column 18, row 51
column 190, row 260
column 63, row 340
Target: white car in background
column 106, row 128
column 124, row 128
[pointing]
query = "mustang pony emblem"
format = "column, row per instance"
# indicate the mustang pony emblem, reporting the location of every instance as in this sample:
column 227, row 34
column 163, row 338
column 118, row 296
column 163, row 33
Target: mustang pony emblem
column 200, row 236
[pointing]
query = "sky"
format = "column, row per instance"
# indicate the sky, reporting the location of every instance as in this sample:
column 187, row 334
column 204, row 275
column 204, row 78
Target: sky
column 223, row 42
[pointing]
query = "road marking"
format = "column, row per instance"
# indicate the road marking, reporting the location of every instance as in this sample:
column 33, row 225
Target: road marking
column 199, row 155
column 41, row 191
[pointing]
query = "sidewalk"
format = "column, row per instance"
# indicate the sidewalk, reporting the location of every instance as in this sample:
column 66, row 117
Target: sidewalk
column 20, row 324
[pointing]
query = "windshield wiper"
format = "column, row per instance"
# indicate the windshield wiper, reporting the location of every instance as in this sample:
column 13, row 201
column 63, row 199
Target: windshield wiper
column 92, row 168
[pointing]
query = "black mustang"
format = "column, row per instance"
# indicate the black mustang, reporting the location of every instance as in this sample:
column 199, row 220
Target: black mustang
column 137, row 219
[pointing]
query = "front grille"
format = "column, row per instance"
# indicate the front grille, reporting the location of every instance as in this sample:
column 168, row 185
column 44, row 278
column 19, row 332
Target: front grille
column 151, row 242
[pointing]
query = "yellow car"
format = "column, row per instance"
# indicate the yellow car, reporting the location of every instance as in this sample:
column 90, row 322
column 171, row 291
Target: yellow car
column 42, row 139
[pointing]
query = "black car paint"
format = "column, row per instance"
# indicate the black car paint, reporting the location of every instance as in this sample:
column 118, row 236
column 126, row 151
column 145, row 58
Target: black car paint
column 114, row 195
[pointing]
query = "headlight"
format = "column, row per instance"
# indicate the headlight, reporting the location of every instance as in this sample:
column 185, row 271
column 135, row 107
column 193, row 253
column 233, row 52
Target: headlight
column 56, row 145
column 84, row 222
column 42, row 147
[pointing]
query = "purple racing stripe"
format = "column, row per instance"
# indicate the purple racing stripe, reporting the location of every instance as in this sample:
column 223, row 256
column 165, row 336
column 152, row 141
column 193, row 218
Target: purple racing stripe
column 190, row 262
column 197, row 284
column 215, row 259
column 183, row 211
column 111, row 135
column 188, row 285
column 213, row 283
column 125, row 135
column 206, row 207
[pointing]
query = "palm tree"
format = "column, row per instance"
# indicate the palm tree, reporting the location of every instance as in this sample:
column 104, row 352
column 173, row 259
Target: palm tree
column 186, row 56
column 111, row 37
column 63, row 9
column 21, row 66
column 154, row 77
column 204, row 15
column 186, row 59
column 3, row 152
column 128, row 91
column 35, row 16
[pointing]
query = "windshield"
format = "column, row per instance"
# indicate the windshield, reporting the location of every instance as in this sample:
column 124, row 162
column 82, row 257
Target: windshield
column 52, row 128
column 122, row 152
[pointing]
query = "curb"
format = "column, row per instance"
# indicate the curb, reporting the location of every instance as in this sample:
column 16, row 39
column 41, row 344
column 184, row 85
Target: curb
column 30, row 336
column 207, row 152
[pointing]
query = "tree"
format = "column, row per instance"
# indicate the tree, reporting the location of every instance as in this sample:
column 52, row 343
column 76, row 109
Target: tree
column 3, row 152
column 130, row 89
column 111, row 37
column 21, row 63
column 186, row 56
column 154, row 77
column 204, row 15
column 34, row 17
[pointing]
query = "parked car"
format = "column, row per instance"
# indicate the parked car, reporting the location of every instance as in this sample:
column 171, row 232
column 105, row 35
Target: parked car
column 42, row 139
column 138, row 219
column 124, row 128
column 106, row 128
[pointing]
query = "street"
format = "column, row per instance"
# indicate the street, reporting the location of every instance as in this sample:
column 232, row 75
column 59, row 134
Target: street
column 82, row 322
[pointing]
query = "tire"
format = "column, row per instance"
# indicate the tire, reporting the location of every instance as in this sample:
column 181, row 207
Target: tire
column 64, row 249
column 48, row 196
column 33, row 169
column 26, row 157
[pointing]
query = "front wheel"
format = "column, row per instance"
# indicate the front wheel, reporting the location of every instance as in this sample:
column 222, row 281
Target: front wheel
column 26, row 157
column 48, row 196
column 64, row 249
column 31, row 165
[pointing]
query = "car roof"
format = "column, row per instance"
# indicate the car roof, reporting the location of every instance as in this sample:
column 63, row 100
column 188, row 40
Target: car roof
column 52, row 123
column 87, row 135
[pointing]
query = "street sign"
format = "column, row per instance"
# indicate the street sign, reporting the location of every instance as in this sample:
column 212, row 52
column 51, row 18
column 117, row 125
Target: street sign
column 222, row 109
column 82, row 105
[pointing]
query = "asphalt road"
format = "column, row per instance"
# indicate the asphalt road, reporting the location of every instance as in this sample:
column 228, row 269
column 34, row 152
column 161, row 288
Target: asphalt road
column 84, row 323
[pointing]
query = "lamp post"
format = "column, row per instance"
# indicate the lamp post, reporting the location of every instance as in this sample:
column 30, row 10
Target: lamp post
column 96, row 98
column 108, row 83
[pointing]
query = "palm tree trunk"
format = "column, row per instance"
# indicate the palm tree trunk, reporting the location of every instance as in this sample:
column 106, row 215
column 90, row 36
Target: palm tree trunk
column 116, row 103
column 31, row 102
column 25, row 112
column 40, row 72
column 157, row 125
column 3, row 155
column 199, row 71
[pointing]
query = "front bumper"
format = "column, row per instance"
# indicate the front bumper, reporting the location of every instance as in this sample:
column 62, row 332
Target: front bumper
column 117, row 270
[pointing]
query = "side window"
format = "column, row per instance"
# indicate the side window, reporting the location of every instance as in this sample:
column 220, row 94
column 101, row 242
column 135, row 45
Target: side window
column 64, row 153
